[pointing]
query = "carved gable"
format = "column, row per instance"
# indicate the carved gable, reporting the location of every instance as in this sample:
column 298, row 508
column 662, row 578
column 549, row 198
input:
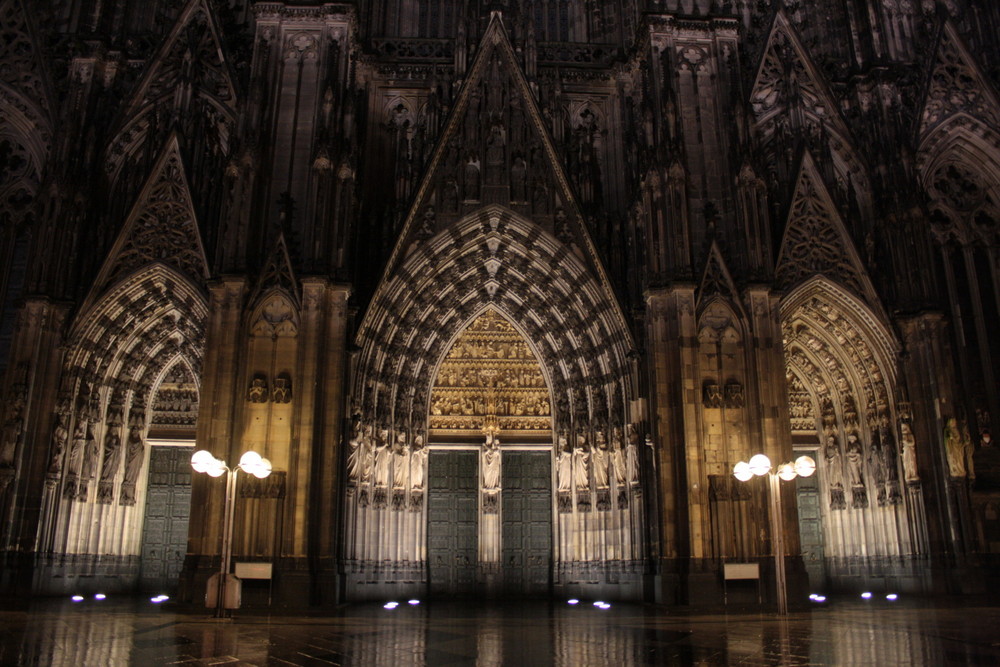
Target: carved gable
column 192, row 55
column 957, row 86
column 189, row 77
column 22, row 68
column 786, row 77
column 161, row 227
column 816, row 241
column 495, row 149
column 276, row 298
column 277, row 273
column 716, row 280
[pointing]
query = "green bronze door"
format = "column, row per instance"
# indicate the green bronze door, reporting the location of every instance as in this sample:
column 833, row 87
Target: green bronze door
column 526, row 529
column 165, row 525
column 452, row 511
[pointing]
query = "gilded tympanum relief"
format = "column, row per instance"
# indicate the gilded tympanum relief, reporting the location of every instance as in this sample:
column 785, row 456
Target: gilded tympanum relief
column 490, row 378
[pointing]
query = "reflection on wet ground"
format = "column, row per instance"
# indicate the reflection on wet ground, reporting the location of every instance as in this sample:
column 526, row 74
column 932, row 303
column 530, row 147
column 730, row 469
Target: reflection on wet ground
column 113, row 632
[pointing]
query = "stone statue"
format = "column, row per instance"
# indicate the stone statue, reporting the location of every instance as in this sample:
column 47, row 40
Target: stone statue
column 418, row 463
column 600, row 457
column 367, row 454
column 876, row 462
column 383, row 457
column 491, row 464
column 354, row 454
column 282, row 392
column 60, row 435
column 632, row 455
column 258, row 390
column 834, row 471
column 75, row 458
column 876, row 467
column 855, row 461
column 90, row 458
column 834, row 466
column 957, row 446
column 889, row 451
column 712, row 395
column 134, row 458
column 112, row 462
column 12, row 430
column 618, row 457
column 77, row 446
column 564, row 465
column 400, row 462
column 581, row 463
column 968, row 449
column 910, row 473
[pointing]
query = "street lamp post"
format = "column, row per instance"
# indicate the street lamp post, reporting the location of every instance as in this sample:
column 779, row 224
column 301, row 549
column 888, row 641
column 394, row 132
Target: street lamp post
column 759, row 465
column 251, row 463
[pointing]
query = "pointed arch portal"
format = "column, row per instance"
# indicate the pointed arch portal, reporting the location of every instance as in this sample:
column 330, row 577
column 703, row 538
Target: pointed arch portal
column 841, row 373
column 494, row 358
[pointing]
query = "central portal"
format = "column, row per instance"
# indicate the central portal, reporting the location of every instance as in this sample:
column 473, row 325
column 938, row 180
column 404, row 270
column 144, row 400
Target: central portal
column 465, row 534
column 489, row 505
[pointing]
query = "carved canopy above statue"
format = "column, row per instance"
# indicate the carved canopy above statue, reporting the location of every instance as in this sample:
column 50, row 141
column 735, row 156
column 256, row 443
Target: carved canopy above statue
column 490, row 378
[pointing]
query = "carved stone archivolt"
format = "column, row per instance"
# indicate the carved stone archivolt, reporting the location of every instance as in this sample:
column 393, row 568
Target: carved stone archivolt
column 841, row 375
column 576, row 331
column 132, row 360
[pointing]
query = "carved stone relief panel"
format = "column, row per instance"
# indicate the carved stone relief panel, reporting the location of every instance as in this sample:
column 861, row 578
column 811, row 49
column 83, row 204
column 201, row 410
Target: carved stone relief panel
column 490, row 374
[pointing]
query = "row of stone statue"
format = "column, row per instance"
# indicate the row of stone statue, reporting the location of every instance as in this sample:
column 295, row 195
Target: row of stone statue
column 476, row 423
column 713, row 397
column 471, row 404
column 857, row 469
column 490, row 349
column 958, row 445
column 454, row 375
column 281, row 392
column 377, row 462
column 77, row 460
column 875, row 467
column 583, row 466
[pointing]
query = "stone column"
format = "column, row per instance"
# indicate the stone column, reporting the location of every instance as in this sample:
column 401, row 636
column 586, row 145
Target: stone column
column 321, row 426
column 35, row 352
column 769, row 422
column 930, row 381
column 673, row 395
column 220, row 394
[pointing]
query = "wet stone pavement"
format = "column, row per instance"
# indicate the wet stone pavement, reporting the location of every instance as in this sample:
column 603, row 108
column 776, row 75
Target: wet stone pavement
column 137, row 632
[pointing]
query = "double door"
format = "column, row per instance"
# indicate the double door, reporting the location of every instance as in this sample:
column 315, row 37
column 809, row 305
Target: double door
column 455, row 515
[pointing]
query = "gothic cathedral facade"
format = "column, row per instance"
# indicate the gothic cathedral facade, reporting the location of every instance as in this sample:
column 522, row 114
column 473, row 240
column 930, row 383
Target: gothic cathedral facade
column 503, row 289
